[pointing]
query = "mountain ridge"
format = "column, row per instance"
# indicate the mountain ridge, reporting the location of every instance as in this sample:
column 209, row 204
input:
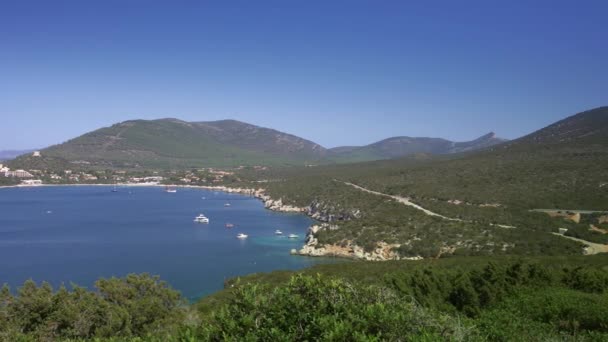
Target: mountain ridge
column 175, row 143
column 401, row 146
column 11, row 154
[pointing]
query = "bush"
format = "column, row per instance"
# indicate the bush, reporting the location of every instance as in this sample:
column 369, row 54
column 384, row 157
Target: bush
column 316, row 308
column 136, row 305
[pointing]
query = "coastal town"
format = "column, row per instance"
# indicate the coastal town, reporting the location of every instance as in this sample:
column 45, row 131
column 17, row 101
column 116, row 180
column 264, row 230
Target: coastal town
column 34, row 177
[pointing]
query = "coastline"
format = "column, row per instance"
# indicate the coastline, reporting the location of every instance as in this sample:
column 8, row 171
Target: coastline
column 382, row 252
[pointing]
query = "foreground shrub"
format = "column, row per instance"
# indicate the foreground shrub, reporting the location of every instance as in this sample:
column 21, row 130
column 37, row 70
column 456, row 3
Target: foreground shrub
column 137, row 305
column 317, row 308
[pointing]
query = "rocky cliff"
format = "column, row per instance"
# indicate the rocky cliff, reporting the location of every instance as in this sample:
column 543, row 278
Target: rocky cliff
column 382, row 252
column 329, row 216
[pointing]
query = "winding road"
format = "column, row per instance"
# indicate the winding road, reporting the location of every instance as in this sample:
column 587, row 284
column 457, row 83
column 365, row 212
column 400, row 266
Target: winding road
column 407, row 202
column 592, row 248
column 402, row 200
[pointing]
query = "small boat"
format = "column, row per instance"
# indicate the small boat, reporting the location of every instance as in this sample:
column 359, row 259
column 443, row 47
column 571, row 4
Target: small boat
column 292, row 236
column 278, row 232
column 226, row 204
column 114, row 189
column 170, row 190
column 241, row 236
column 229, row 225
column 201, row 219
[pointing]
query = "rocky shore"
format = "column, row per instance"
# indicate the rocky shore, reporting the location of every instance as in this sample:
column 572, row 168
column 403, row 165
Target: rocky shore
column 382, row 252
column 320, row 212
column 316, row 210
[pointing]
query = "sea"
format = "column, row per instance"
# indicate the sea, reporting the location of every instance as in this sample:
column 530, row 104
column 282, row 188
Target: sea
column 78, row 234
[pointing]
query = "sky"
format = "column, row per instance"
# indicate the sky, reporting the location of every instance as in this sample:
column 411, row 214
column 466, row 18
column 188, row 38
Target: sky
column 335, row 72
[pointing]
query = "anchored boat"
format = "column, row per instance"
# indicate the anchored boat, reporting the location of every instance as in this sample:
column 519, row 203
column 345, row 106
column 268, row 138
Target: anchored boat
column 201, row 219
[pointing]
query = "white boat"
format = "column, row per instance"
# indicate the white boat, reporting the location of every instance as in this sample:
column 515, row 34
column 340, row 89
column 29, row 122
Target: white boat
column 226, row 204
column 278, row 232
column 170, row 190
column 201, row 219
column 292, row 236
column 241, row 236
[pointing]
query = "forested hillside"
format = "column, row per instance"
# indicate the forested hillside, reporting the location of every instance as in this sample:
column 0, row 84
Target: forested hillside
column 560, row 167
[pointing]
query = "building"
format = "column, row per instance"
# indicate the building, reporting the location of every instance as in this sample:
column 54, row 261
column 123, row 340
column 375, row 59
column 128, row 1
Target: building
column 36, row 154
column 18, row 173
column 153, row 179
column 31, row 182
column 89, row 177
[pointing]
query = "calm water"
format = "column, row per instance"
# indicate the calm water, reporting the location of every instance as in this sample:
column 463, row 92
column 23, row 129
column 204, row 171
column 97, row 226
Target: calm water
column 78, row 234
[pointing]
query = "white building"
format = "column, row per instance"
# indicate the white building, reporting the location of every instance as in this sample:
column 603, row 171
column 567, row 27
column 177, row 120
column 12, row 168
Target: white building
column 18, row 173
column 31, row 182
column 36, row 154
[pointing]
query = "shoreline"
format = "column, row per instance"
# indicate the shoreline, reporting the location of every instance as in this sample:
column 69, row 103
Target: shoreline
column 308, row 249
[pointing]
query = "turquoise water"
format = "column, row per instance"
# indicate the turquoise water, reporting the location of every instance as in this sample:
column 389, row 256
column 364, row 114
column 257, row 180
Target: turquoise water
column 81, row 233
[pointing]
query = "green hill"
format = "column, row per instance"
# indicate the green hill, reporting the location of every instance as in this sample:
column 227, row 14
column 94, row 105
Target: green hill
column 562, row 166
column 397, row 147
column 172, row 143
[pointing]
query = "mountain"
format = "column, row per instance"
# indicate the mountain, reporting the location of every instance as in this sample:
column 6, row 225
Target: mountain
column 483, row 201
column 10, row 154
column 260, row 139
column 172, row 143
column 588, row 128
column 397, row 147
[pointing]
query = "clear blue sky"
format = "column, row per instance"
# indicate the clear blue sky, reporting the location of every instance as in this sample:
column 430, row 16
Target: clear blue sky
column 336, row 72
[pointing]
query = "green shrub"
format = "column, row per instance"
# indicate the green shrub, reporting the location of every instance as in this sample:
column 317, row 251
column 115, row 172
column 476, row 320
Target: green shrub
column 311, row 308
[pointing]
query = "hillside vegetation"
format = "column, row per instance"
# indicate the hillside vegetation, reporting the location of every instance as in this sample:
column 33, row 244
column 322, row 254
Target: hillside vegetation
column 505, row 299
column 176, row 144
column 562, row 166
column 397, row 147
column 171, row 143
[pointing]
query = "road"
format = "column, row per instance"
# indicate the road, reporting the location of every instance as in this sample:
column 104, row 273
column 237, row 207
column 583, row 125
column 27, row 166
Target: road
column 592, row 247
column 407, row 202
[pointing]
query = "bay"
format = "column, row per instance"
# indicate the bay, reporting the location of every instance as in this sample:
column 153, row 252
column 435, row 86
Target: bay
column 78, row 234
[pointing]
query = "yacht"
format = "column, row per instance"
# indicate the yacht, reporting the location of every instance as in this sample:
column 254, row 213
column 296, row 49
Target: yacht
column 278, row 232
column 226, row 204
column 170, row 190
column 292, row 236
column 201, row 219
column 241, row 236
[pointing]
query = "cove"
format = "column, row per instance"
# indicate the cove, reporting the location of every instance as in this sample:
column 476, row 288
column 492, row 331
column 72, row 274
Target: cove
column 77, row 234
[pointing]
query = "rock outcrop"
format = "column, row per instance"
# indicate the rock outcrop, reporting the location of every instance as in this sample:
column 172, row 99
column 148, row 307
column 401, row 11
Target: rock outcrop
column 383, row 251
column 326, row 213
